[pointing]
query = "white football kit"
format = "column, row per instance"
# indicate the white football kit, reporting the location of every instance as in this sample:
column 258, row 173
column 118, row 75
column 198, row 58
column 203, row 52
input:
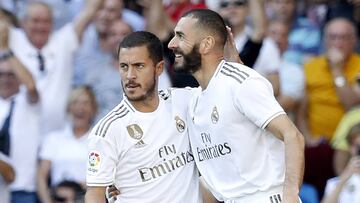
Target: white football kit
column 146, row 155
column 234, row 153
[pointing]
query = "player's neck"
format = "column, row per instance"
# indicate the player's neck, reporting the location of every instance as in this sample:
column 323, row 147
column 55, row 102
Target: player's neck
column 207, row 70
column 150, row 104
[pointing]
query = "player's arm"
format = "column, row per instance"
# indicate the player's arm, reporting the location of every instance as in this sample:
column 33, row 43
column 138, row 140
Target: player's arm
column 284, row 129
column 95, row 194
column 102, row 161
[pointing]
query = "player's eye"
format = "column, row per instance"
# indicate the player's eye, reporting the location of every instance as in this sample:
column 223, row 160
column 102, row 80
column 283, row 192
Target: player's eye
column 123, row 67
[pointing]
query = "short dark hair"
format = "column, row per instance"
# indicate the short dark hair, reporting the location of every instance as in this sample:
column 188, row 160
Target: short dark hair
column 209, row 20
column 148, row 39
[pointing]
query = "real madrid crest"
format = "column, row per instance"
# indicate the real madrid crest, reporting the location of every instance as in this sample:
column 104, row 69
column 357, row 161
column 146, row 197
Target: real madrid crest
column 215, row 115
column 180, row 124
column 135, row 131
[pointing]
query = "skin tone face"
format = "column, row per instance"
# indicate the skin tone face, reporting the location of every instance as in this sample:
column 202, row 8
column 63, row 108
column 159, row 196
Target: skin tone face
column 185, row 45
column 340, row 35
column 9, row 85
column 235, row 14
column 82, row 109
column 283, row 9
column 118, row 30
column 138, row 74
column 38, row 24
column 279, row 33
column 105, row 16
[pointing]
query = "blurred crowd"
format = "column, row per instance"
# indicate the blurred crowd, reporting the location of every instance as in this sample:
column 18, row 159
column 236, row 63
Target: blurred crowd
column 58, row 75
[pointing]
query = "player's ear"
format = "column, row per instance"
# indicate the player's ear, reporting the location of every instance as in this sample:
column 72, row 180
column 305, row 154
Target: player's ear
column 207, row 44
column 159, row 67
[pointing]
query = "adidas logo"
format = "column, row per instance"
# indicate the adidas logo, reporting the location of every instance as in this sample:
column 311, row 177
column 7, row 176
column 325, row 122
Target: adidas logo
column 140, row 144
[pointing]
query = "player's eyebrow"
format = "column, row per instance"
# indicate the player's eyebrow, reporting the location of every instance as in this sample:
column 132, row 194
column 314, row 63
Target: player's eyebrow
column 179, row 33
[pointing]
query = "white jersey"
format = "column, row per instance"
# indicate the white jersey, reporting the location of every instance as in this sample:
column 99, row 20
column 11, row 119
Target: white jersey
column 233, row 151
column 146, row 155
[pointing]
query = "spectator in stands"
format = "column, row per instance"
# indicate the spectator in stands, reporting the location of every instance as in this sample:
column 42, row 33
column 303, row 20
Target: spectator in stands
column 305, row 34
column 346, row 187
column 235, row 12
column 63, row 154
column 291, row 76
column 339, row 143
column 104, row 78
column 49, row 55
column 329, row 83
column 19, row 120
column 94, row 50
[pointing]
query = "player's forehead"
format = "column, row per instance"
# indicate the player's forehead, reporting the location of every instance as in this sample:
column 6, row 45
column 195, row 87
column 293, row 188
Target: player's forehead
column 134, row 54
column 186, row 25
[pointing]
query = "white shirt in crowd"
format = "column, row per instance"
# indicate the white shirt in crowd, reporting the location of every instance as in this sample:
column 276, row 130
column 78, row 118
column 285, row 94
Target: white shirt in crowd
column 68, row 155
column 146, row 155
column 24, row 139
column 54, row 83
column 233, row 151
column 349, row 193
column 268, row 60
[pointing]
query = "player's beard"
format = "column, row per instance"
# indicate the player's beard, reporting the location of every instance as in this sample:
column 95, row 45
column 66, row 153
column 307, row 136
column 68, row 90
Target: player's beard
column 149, row 92
column 191, row 61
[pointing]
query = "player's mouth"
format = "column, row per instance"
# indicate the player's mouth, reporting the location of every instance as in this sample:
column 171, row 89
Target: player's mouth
column 178, row 55
column 131, row 86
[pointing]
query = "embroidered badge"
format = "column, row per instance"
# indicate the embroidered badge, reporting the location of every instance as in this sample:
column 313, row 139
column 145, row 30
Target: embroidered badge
column 180, row 124
column 94, row 161
column 135, row 131
column 215, row 115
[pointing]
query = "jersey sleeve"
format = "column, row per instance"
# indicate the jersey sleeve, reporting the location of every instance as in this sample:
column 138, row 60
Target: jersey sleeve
column 102, row 159
column 255, row 99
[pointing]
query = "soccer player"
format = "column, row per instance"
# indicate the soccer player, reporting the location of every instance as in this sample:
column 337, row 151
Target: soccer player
column 244, row 145
column 142, row 145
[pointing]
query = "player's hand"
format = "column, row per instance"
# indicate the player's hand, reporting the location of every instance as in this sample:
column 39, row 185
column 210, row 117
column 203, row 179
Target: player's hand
column 230, row 52
column 111, row 193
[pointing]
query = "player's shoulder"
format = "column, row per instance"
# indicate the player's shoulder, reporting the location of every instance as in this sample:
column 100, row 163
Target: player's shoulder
column 113, row 119
column 177, row 93
column 235, row 72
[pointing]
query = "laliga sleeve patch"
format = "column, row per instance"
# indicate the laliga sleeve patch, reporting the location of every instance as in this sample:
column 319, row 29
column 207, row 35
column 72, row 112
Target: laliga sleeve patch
column 94, row 162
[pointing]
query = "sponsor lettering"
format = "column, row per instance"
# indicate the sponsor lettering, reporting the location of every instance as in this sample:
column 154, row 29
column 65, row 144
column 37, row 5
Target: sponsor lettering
column 168, row 164
column 213, row 152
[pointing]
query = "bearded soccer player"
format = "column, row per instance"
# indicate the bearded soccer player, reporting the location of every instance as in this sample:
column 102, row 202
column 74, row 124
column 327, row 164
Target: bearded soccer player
column 244, row 145
column 142, row 145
